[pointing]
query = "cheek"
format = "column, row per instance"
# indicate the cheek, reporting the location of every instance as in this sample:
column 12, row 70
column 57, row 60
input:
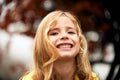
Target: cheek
column 77, row 43
column 52, row 39
column 76, row 40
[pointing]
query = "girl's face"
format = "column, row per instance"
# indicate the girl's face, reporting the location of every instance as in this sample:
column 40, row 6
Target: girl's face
column 64, row 36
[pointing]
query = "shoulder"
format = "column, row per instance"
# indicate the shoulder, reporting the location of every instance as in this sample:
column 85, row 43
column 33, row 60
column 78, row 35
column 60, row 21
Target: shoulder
column 27, row 76
column 95, row 77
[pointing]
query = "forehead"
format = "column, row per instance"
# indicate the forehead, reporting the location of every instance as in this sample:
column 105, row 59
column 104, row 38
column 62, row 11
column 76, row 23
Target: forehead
column 62, row 21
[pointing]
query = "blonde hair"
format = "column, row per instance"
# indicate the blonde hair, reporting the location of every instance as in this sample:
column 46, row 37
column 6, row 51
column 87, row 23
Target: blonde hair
column 45, row 52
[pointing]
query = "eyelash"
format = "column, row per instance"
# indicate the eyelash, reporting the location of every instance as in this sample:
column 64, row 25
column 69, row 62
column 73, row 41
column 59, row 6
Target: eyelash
column 71, row 32
column 54, row 33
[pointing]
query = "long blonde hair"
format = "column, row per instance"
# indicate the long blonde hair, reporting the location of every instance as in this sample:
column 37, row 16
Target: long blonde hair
column 45, row 52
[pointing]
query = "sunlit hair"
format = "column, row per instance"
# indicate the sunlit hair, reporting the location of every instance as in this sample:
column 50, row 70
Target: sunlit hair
column 45, row 53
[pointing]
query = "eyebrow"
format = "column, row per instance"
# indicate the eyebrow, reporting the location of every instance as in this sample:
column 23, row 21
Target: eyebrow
column 71, row 28
column 67, row 28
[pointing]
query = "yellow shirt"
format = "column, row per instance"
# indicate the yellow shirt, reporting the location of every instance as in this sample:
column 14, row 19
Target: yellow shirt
column 29, row 77
column 95, row 77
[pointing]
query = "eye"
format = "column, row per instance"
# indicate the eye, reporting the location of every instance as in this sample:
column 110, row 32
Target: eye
column 71, row 32
column 53, row 33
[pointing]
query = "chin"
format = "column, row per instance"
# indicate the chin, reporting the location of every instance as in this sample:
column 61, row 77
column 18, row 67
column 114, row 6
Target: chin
column 65, row 56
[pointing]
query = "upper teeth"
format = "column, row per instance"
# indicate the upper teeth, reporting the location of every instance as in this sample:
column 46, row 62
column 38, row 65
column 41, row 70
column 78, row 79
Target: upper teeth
column 65, row 46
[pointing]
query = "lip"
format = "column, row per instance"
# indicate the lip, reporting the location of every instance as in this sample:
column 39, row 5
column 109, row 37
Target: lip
column 64, row 46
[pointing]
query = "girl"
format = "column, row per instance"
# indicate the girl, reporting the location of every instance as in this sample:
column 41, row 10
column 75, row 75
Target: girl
column 60, row 50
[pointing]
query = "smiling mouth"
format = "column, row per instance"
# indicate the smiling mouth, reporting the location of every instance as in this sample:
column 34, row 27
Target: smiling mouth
column 64, row 46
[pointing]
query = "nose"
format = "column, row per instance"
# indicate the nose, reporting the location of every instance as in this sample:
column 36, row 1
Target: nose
column 64, row 36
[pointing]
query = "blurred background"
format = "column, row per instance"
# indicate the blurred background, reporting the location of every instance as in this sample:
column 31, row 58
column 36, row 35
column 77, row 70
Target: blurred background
column 99, row 20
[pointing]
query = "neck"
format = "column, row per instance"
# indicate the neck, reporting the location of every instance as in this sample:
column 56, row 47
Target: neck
column 64, row 70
